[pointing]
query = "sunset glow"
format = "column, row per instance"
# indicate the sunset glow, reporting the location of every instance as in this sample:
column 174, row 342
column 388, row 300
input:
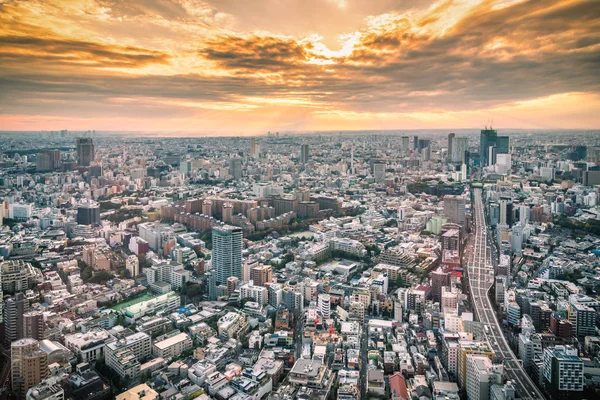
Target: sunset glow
column 232, row 67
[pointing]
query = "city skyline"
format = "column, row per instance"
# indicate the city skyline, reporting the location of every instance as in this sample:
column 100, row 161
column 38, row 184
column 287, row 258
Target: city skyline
column 225, row 67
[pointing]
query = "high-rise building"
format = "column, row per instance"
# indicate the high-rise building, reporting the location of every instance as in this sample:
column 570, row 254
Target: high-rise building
column 451, row 137
column 88, row 214
column 235, row 168
column 439, row 279
column 563, row 372
column 481, row 374
column 466, row 347
column 583, row 319
column 415, row 143
column 454, row 209
column 227, row 252
column 48, row 160
column 29, row 365
column 460, row 145
column 85, row 152
column 304, row 154
column 33, row 325
column 14, row 309
column 261, row 274
column 254, row 148
column 491, row 144
column 405, row 143
column 379, row 171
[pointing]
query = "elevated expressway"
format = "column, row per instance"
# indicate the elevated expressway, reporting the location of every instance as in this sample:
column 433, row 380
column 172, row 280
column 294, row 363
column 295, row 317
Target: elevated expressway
column 480, row 274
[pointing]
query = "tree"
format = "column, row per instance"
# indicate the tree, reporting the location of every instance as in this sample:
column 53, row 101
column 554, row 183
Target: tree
column 400, row 281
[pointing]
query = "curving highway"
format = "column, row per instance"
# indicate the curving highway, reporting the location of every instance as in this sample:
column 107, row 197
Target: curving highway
column 481, row 278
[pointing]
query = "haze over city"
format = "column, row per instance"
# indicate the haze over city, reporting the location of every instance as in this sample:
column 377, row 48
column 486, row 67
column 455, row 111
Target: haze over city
column 246, row 67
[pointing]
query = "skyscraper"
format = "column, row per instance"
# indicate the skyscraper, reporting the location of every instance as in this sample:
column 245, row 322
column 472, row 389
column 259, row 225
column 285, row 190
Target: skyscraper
column 459, row 146
column 451, row 137
column 415, row 142
column 29, row 365
column 235, row 168
column 254, row 148
column 304, row 154
column 405, row 143
column 85, row 152
column 226, row 253
column 491, row 144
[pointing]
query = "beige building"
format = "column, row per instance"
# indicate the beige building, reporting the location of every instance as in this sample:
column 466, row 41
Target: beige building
column 29, row 365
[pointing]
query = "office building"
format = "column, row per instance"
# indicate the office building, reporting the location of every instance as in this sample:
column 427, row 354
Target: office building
column 85, row 152
column 490, row 144
column 454, row 209
column 304, row 154
column 227, row 253
column 235, row 168
column 481, row 374
column 405, row 143
column 583, row 319
column 29, row 365
column 460, row 146
column 563, row 372
column 47, row 160
column 451, row 137
column 88, row 214
column 466, row 347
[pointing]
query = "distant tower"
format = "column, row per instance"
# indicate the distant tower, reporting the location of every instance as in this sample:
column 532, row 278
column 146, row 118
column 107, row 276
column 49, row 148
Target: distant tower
column 304, row 154
column 451, row 137
column 85, row 152
column 235, row 168
column 352, row 160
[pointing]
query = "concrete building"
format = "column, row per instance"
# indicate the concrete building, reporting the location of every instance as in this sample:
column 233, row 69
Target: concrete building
column 29, row 365
column 34, row 325
column 454, row 209
column 85, row 152
column 227, row 253
column 563, row 371
column 324, row 305
column 173, row 346
column 14, row 309
column 481, row 374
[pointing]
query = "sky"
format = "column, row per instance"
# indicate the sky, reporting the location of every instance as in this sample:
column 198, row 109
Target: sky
column 246, row 67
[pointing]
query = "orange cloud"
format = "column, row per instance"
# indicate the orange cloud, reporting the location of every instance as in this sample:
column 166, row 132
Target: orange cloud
column 452, row 63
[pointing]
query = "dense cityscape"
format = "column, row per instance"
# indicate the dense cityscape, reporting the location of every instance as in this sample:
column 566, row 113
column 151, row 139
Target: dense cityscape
column 342, row 266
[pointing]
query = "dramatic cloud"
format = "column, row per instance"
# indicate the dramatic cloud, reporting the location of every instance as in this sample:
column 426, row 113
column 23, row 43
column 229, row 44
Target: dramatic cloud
column 247, row 67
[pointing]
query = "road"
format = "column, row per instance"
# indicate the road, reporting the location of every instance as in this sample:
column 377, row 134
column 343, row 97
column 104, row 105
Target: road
column 481, row 278
column 364, row 362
